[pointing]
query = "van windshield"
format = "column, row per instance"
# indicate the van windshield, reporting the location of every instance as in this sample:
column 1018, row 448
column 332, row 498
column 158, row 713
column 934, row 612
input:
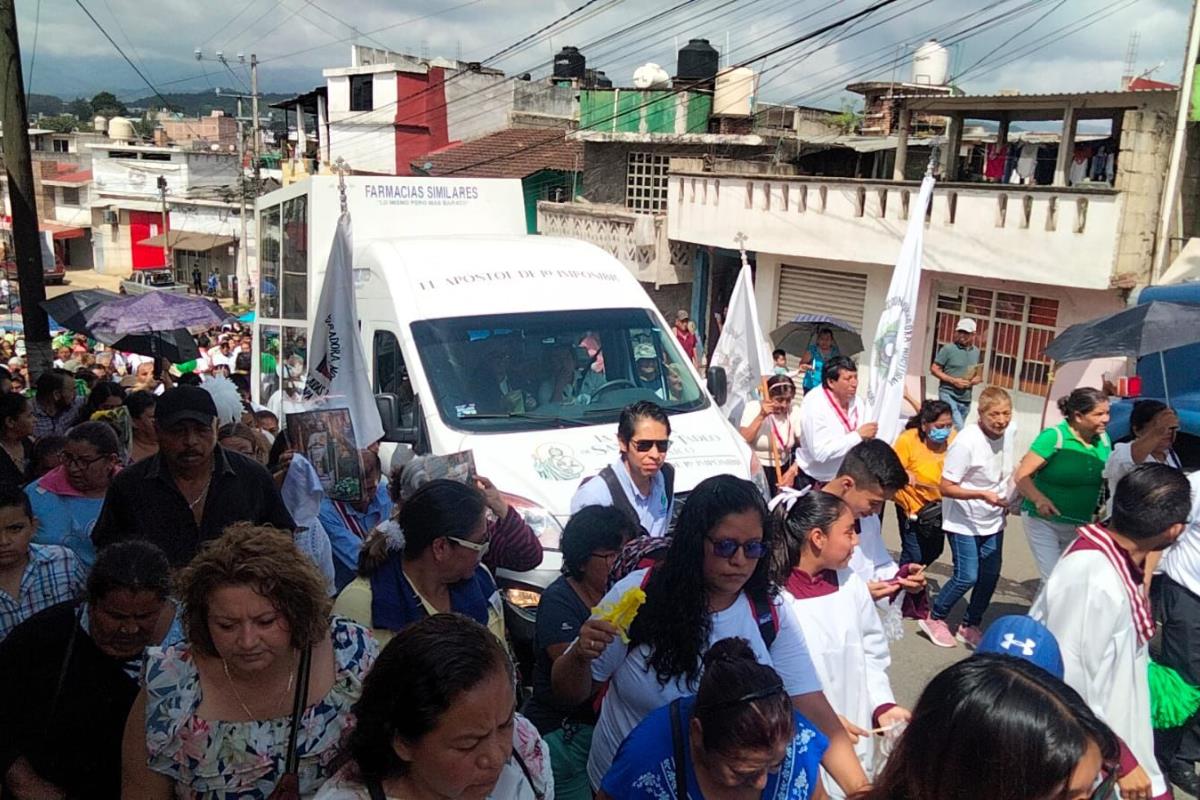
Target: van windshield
column 519, row 372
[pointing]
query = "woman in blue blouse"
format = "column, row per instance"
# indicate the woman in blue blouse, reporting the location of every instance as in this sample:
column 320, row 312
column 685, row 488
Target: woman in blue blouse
column 813, row 360
column 737, row 736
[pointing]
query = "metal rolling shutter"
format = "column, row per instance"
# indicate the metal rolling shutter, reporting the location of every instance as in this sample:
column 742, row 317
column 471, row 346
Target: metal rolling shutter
column 804, row 290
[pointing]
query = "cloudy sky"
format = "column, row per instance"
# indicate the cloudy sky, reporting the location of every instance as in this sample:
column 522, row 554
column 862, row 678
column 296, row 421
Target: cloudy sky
column 1029, row 45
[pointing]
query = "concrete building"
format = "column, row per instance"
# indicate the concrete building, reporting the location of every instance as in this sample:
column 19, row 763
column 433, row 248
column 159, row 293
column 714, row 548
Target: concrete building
column 1025, row 260
column 201, row 224
column 386, row 109
column 215, row 130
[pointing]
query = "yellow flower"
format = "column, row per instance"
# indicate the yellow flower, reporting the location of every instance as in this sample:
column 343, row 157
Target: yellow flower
column 622, row 613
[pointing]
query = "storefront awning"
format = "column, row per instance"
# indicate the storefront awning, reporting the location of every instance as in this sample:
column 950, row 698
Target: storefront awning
column 187, row 240
column 59, row 230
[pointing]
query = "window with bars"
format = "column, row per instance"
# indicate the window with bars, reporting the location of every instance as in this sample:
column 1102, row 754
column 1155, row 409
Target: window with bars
column 1013, row 333
column 646, row 182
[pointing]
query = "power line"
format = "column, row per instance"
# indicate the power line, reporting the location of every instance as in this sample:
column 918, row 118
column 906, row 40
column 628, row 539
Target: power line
column 228, row 22
column 1009, row 40
column 37, row 26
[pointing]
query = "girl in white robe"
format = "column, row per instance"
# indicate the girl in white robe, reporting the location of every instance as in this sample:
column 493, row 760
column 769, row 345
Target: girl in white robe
column 839, row 620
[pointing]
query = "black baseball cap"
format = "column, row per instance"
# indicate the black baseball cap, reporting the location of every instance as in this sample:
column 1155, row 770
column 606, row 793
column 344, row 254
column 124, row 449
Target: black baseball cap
column 184, row 402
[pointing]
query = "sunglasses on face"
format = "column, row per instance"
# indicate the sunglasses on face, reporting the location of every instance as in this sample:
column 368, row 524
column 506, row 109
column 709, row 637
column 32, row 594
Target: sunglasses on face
column 644, row 445
column 726, row 548
column 479, row 547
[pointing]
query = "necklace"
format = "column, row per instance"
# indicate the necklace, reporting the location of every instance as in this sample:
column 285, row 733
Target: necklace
column 250, row 715
column 199, row 497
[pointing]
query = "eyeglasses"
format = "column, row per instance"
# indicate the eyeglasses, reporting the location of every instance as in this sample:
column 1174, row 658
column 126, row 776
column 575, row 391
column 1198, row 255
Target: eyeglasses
column 479, row 547
column 748, row 697
column 644, row 445
column 75, row 461
column 725, row 548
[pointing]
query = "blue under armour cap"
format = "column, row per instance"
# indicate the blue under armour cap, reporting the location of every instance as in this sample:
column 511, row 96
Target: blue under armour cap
column 1026, row 638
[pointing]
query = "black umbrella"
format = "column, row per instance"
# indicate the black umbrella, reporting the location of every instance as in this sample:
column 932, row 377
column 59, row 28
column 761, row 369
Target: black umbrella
column 176, row 346
column 73, row 310
column 795, row 336
column 1133, row 332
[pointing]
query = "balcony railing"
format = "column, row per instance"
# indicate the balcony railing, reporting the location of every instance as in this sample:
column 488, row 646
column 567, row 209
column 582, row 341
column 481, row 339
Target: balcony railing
column 1037, row 234
column 639, row 241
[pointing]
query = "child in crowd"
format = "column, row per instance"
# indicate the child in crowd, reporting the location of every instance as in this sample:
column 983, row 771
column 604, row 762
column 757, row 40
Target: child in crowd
column 841, row 626
column 32, row 576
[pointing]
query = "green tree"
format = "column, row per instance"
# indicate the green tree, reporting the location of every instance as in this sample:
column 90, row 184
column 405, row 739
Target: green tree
column 106, row 103
column 847, row 120
column 81, row 108
column 62, row 123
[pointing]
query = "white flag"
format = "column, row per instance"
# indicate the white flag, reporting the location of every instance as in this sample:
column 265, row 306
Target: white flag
column 742, row 350
column 337, row 368
column 893, row 335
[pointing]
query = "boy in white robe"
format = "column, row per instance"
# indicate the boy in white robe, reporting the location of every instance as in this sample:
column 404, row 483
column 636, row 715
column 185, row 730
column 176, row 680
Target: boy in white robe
column 843, row 631
column 870, row 475
column 1095, row 605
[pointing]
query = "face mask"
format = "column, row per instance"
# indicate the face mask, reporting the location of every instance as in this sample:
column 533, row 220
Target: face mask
column 939, row 435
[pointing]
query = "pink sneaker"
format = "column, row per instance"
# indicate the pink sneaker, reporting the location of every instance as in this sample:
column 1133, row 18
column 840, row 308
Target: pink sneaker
column 937, row 631
column 969, row 635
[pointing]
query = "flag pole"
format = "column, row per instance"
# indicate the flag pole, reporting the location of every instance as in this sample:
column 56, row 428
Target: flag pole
column 341, row 166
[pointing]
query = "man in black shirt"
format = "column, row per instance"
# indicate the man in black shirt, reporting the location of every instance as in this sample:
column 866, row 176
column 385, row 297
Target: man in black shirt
column 192, row 489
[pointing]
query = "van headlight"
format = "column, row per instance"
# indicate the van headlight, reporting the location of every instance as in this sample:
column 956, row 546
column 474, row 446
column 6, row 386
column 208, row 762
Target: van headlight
column 759, row 477
column 544, row 525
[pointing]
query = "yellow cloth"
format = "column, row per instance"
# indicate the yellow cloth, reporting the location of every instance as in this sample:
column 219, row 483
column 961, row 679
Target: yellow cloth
column 354, row 602
column 918, row 459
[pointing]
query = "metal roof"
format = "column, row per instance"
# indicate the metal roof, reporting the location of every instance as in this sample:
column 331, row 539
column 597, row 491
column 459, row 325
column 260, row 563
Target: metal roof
column 1047, row 106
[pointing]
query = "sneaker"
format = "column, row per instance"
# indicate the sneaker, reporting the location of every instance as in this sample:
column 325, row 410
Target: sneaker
column 937, row 631
column 969, row 635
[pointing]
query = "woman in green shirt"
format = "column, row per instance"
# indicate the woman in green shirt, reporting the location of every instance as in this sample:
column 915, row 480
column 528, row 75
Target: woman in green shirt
column 1062, row 474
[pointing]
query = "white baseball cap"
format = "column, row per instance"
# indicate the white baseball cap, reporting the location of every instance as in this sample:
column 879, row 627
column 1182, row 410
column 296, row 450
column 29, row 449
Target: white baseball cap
column 965, row 324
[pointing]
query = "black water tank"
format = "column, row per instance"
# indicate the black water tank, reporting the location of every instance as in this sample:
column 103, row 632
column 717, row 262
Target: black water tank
column 569, row 63
column 602, row 80
column 698, row 61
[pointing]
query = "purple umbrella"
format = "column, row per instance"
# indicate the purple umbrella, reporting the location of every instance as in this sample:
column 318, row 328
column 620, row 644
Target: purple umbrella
column 154, row 312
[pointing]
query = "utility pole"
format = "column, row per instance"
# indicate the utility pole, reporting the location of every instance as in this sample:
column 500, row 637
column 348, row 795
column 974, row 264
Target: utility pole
column 26, row 239
column 1169, row 215
column 166, row 224
column 242, row 271
column 254, row 113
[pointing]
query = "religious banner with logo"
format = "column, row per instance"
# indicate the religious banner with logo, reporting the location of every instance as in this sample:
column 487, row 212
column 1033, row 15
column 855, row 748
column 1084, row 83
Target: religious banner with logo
column 337, row 367
column 742, row 350
column 893, row 334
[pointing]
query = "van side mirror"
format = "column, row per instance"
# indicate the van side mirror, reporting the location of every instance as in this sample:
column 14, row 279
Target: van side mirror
column 718, row 385
column 388, row 405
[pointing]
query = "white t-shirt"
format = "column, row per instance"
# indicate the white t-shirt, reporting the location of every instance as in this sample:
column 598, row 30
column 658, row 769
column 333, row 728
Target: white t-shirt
column 871, row 560
column 788, row 431
column 1181, row 561
column 976, row 462
column 634, row 690
column 1120, row 463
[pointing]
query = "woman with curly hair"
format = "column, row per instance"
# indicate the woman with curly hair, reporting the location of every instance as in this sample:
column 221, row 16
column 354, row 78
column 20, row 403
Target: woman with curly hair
column 214, row 715
column 713, row 584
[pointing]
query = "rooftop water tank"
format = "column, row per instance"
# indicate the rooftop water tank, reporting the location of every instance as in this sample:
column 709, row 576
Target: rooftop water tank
column 121, row 130
column 569, row 63
column 698, row 61
column 931, row 64
column 651, row 76
column 734, row 94
column 100, row 124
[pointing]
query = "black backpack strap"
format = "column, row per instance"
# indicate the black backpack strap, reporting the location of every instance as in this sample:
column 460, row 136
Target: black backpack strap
column 375, row 790
column 620, row 500
column 528, row 775
column 766, row 618
column 681, row 792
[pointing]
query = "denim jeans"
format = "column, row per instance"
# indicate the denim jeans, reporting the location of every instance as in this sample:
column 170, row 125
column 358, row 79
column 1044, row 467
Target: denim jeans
column 976, row 569
column 916, row 549
column 958, row 408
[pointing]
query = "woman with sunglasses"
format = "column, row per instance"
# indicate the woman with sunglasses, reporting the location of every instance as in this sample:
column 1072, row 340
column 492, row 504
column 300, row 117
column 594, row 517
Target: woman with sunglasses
column 426, row 562
column 713, row 584
column 738, row 737
column 639, row 483
column 772, row 428
column 994, row 727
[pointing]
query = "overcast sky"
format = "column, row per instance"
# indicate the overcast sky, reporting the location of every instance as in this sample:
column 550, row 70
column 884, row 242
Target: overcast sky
column 295, row 39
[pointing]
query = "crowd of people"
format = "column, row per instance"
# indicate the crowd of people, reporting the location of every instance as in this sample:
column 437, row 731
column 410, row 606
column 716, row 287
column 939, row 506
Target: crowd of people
column 184, row 611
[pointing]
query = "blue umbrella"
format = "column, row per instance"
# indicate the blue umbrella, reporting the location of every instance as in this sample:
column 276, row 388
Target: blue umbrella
column 248, row 317
column 794, row 337
column 156, row 312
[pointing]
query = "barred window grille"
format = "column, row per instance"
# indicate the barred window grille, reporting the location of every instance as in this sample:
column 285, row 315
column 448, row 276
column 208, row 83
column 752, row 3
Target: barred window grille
column 646, row 182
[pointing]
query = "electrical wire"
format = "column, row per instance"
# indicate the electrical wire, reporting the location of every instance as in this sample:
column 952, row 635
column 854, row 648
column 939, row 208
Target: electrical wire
column 37, row 26
column 1009, row 40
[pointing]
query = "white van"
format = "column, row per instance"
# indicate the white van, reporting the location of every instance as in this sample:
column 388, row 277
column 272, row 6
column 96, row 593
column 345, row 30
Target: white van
column 470, row 324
